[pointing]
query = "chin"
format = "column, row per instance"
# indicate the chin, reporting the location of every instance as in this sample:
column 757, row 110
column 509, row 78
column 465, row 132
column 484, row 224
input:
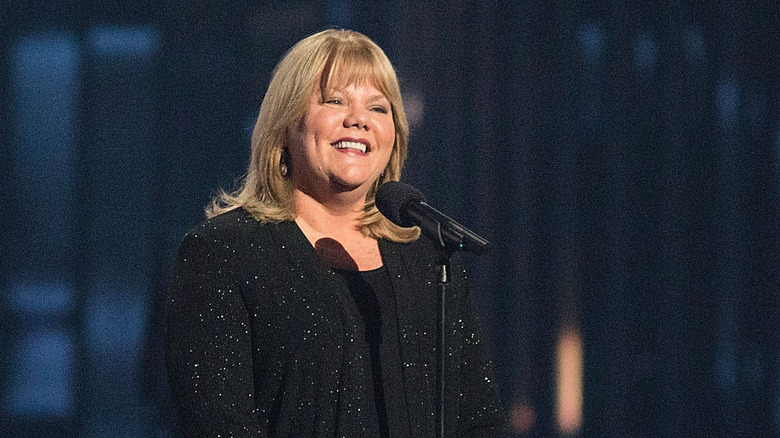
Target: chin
column 348, row 185
column 343, row 186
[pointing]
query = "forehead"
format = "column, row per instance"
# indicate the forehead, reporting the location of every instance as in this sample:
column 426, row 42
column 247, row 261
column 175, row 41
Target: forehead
column 342, row 73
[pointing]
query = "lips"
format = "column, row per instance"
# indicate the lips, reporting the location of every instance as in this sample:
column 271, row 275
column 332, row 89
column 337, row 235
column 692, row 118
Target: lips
column 353, row 145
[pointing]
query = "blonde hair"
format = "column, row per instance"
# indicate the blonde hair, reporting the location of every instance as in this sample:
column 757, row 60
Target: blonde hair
column 331, row 59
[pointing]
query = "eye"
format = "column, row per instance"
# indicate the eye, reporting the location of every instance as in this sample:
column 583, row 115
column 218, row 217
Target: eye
column 380, row 109
column 333, row 101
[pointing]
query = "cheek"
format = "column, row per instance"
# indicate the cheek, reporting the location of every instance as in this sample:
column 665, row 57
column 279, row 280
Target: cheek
column 294, row 139
column 387, row 137
column 304, row 135
column 296, row 146
column 388, row 133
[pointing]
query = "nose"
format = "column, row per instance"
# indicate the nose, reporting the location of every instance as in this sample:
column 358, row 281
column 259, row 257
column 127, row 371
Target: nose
column 356, row 118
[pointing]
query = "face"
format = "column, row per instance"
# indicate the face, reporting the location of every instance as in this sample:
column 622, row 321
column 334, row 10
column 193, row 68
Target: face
column 343, row 143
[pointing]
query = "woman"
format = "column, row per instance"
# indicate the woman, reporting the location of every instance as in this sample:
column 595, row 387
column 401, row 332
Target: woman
column 297, row 309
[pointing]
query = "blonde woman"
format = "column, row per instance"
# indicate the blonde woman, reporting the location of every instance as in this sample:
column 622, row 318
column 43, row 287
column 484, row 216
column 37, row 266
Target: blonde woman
column 297, row 309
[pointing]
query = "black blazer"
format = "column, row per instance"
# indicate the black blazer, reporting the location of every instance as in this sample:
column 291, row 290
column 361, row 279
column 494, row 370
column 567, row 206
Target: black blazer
column 262, row 340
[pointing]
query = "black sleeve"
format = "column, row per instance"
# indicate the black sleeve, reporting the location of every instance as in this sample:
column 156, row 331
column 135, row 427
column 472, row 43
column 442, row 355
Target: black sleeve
column 208, row 343
column 481, row 414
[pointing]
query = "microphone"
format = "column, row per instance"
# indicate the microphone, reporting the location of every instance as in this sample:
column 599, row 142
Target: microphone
column 405, row 206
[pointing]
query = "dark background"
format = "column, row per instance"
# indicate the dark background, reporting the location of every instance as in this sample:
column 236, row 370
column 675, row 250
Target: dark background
column 621, row 156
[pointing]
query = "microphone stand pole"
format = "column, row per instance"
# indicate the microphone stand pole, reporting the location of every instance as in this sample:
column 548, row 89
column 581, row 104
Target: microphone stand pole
column 444, row 262
column 449, row 242
column 450, row 237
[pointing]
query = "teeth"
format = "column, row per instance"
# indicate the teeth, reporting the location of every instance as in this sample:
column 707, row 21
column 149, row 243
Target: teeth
column 350, row 145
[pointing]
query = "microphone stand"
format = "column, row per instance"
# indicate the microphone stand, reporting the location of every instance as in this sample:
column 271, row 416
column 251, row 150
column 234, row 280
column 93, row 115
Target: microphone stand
column 450, row 237
column 445, row 252
column 444, row 262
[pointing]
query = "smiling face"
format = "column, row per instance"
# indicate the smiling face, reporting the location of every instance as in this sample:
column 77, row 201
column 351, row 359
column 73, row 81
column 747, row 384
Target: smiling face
column 343, row 143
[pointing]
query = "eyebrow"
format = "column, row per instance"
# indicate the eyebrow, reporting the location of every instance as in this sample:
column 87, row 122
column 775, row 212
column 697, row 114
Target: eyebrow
column 379, row 96
column 340, row 89
column 371, row 99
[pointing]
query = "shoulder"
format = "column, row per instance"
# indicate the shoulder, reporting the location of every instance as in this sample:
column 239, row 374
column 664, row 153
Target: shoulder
column 230, row 224
column 229, row 248
column 230, row 232
column 233, row 226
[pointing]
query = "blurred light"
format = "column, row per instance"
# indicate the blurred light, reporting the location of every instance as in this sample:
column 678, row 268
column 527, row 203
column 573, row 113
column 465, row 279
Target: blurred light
column 522, row 418
column 41, row 381
column 693, row 41
column 41, row 299
column 645, row 54
column 569, row 382
column 414, row 106
column 727, row 100
column 249, row 125
column 115, row 321
column 591, row 42
column 44, row 80
column 123, row 41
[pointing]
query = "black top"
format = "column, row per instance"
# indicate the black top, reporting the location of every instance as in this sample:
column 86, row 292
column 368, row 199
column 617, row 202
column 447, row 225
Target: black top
column 374, row 297
column 264, row 340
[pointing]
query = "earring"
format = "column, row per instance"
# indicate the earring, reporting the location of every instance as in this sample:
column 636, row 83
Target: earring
column 283, row 163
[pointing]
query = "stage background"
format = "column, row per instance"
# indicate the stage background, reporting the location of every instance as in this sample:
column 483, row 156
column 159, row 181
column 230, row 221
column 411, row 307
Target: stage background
column 621, row 156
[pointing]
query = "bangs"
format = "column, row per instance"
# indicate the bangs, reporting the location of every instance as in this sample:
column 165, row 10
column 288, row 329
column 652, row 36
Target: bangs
column 358, row 65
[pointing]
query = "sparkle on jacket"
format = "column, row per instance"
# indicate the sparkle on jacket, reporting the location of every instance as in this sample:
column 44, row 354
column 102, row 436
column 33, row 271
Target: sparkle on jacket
column 262, row 339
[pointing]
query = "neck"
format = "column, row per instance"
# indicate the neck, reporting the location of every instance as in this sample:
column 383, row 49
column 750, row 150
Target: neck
column 336, row 217
column 334, row 231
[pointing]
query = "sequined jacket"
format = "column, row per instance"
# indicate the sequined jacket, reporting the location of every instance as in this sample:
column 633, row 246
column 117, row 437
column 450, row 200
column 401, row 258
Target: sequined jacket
column 262, row 342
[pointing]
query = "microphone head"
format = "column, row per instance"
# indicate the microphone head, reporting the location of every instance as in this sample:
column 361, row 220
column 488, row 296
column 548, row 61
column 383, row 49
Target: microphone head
column 392, row 200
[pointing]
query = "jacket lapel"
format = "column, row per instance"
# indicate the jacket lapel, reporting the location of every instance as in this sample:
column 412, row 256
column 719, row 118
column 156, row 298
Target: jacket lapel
column 417, row 332
column 306, row 263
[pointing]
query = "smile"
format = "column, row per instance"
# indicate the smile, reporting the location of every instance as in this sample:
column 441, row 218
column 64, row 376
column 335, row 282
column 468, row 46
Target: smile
column 351, row 145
